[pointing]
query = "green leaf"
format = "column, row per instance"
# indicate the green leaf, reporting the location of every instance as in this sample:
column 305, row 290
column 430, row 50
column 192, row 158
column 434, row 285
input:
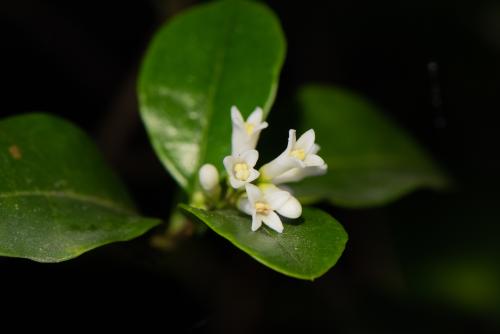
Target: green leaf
column 307, row 248
column 199, row 65
column 371, row 161
column 58, row 199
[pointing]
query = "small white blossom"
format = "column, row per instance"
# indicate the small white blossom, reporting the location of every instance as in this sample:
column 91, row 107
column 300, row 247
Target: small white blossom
column 263, row 203
column 240, row 168
column 297, row 174
column 297, row 161
column 246, row 133
column 209, row 178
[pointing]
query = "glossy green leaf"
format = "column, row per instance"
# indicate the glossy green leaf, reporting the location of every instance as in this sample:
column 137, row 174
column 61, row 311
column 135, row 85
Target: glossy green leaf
column 58, row 199
column 371, row 161
column 307, row 248
column 199, row 65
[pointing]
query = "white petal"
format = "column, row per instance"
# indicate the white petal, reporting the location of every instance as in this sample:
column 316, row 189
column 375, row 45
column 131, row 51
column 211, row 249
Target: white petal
column 314, row 160
column 293, row 175
column 291, row 208
column 256, row 221
column 253, row 139
column 291, row 141
column 260, row 126
column 298, row 174
column 306, row 141
column 286, row 188
column 240, row 141
column 228, row 164
column 255, row 117
column 208, row 177
column 254, row 175
column 236, row 117
column 243, row 204
column 278, row 166
column 235, row 183
column 316, row 170
column 315, row 149
column 253, row 192
column 277, row 198
column 273, row 221
column 250, row 157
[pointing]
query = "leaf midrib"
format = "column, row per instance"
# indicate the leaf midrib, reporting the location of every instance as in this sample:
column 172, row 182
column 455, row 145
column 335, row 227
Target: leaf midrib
column 212, row 89
column 283, row 247
column 71, row 195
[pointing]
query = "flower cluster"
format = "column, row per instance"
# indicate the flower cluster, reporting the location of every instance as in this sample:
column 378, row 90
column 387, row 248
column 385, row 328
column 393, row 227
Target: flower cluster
column 256, row 192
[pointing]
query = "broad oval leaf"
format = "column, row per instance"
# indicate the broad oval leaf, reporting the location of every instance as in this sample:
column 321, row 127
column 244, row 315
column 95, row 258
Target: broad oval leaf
column 58, row 199
column 199, row 65
column 307, row 248
column 371, row 161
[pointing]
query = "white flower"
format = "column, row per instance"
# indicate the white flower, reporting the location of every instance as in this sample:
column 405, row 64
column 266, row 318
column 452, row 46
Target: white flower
column 246, row 133
column 261, row 204
column 240, row 168
column 297, row 174
column 298, row 160
column 209, row 178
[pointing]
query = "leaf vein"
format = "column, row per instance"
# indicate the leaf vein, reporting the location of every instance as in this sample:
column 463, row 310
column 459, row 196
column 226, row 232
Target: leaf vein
column 94, row 200
column 283, row 247
column 212, row 91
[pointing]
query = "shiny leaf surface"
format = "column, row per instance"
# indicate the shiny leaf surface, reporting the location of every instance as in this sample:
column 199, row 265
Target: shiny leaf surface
column 58, row 199
column 307, row 248
column 199, row 65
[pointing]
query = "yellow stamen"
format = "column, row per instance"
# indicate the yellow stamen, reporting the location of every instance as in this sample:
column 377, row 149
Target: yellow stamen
column 298, row 153
column 249, row 128
column 262, row 208
column 241, row 171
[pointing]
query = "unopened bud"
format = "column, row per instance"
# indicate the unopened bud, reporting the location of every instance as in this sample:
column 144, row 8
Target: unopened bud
column 209, row 178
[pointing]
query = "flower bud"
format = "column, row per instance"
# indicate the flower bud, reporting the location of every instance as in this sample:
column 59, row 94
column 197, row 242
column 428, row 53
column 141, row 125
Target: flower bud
column 291, row 208
column 209, row 178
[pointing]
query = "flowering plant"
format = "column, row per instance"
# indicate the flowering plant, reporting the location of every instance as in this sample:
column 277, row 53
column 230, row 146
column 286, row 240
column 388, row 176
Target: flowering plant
column 59, row 199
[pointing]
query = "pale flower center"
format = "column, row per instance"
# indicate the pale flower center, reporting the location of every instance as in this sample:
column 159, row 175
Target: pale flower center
column 249, row 128
column 262, row 208
column 298, row 153
column 241, row 171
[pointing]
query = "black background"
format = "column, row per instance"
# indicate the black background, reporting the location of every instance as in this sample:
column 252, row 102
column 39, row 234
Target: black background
column 434, row 66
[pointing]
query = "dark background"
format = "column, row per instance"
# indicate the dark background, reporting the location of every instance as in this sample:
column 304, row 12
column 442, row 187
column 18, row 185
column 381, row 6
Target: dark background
column 427, row 263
